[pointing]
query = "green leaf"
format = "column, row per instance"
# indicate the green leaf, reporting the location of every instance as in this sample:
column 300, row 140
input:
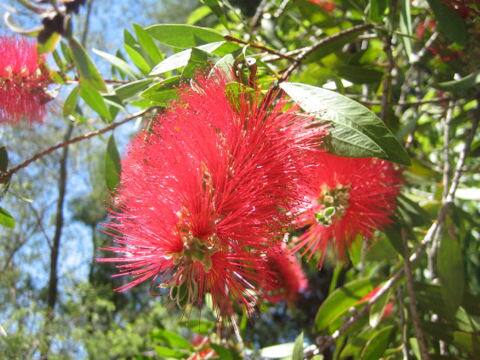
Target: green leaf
column 359, row 74
column 198, row 326
column 138, row 59
column 95, row 100
column 451, row 272
column 147, row 44
column 166, row 353
column 198, row 14
column 172, row 339
column 377, row 345
column 85, row 66
column 132, row 88
column 120, row 64
column 181, row 58
column 355, row 130
column 332, row 46
column 377, row 9
column 49, row 44
column 183, row 36
column 3, row 159
column 277, row 351
column 406, row 27
column 71, row 102
column 449, row 22
column 112, row 165
column 6, row 219
column 342, row 299
column 466, row 83
column 298, row 348
column 198, row 61
column 223, row 353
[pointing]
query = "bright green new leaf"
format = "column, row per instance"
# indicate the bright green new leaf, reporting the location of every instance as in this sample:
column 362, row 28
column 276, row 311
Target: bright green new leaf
column 355, row 131
column 6, row 219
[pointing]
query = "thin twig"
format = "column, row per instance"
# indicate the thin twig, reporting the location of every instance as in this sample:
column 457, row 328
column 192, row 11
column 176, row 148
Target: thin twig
column 403, row 325
column 422, row 342
column 387, row 81
column 260, row 47
column 4, row 177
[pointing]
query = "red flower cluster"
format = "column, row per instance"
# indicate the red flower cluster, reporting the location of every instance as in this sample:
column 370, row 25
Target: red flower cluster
column 286, row 279
column 326, row 5
column 346, row 197
column 23, row 80
column 205, row 193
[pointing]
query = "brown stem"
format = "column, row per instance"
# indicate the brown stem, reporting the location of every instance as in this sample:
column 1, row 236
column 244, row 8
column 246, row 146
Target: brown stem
column 4, row 177
column 422, row 342
column 52, row 294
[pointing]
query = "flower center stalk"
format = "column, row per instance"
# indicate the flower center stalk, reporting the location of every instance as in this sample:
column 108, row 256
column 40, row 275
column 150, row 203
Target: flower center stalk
column 333, row 203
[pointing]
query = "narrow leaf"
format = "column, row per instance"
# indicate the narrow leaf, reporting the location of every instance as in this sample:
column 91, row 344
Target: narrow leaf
column 450, row 24
column 120, row 64
column 95, row 100
column 147, row 44
column 377, row 345
column 112, row 165
column 298, row 348
column 85, row 66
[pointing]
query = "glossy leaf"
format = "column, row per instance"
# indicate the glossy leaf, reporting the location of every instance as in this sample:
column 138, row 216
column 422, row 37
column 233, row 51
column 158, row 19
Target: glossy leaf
column 132, row 88
column 86, row 68
column 183, row 36
column 120, row 64
column 147, row 44
column 376, row 346
column 342, row 299
column 6, row 219
column 355, row 130
column 95, row 100
column 112, row 165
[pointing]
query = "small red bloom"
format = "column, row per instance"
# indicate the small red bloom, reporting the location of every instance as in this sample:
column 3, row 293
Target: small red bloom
column 346, row 197
column 204, row 194
column 464, row 8
column 203, row 350
column 387, row 310
column 285, row 278
column 23, row 80
column 326, row 5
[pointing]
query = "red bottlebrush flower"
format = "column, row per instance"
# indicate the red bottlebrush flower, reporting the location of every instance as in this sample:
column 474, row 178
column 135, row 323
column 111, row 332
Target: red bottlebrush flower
column 285, row 278
column 346, row 197
column 204, row 193
column 23, row 80
column 326, row 5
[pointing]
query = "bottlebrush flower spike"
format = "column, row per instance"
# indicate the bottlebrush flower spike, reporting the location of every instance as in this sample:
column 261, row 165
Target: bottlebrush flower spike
column 23, row 80
column 203, row 195
column 285, row 279
column 346, row 197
